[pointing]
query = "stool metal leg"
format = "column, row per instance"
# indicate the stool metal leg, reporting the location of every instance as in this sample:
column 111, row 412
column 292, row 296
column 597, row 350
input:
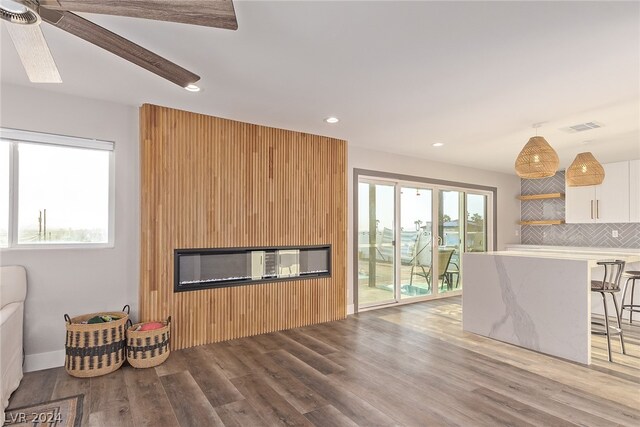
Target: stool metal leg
column 618, row 315
column 624, row 297
column 633, row 288
column 606, row 325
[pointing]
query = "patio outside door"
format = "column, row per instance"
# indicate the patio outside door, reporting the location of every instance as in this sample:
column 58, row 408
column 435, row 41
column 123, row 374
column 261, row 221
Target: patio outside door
column 451, row 220
column 416, row 242
column 462, row 227
column 411, row 237
column 376, row 243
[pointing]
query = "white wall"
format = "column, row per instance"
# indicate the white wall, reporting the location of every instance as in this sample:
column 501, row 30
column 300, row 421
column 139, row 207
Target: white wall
column 82, row 281
column 508, row 186
column 77, row 281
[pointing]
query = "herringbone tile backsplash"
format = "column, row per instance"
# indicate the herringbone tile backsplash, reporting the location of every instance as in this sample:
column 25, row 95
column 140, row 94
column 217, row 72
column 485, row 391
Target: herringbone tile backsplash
column 594, row 235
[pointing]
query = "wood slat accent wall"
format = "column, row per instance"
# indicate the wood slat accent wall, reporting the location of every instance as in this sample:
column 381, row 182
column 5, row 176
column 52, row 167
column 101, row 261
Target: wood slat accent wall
column 208, row 182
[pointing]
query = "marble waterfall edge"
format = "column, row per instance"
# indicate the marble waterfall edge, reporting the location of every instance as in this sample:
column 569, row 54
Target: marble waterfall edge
column 542, row 304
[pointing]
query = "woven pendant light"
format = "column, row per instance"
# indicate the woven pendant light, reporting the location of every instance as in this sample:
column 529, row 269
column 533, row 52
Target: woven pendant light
column 585, row 170
column 537, row 159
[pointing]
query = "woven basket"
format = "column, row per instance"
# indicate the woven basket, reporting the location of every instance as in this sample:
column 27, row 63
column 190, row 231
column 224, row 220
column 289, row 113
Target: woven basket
column 95, row 349
column 146, row 349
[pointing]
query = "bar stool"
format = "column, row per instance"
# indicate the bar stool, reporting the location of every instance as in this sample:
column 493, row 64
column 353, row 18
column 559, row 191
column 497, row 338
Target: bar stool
column 610, row 284
column 631, row 276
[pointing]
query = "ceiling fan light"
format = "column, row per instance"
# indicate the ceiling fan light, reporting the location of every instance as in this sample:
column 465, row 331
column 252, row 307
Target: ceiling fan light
column 18, row 13
column 585, row 170
column 537, row 159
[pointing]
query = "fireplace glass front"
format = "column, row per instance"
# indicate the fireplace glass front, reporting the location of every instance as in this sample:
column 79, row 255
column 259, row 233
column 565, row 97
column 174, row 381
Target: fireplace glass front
column 211, row 268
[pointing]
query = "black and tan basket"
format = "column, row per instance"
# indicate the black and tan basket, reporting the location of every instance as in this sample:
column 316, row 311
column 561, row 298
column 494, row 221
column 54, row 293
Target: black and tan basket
column 98, row 348
column 146, row 349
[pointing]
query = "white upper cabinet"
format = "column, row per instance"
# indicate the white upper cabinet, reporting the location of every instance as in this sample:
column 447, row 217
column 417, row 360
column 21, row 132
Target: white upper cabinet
column 579, row 205
column 634, row 190
column 610, row 202
column 612, row 196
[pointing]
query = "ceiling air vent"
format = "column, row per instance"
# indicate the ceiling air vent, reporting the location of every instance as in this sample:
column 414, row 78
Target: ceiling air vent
column 582, row 127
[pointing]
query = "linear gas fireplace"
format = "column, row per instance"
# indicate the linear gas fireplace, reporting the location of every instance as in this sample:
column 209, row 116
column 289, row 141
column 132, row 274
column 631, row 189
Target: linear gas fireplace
column 217, row 268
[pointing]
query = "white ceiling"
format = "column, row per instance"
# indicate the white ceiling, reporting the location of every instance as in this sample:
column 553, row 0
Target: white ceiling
column 400, row 75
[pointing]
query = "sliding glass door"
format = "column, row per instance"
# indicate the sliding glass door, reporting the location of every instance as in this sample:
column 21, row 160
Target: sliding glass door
column 376, row 243
column 416, row 237
column 411, row 237
column 476, row 227
column 450, row 242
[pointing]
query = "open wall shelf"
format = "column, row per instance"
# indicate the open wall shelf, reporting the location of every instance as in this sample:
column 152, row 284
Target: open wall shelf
column 541, row 196
column 543, row 222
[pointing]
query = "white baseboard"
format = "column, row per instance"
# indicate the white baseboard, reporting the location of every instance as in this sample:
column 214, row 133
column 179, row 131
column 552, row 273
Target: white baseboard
column 40, row 361
column 350, row 309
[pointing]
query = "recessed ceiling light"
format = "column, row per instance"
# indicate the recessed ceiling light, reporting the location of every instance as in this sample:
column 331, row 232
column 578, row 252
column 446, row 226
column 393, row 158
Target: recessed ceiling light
column 192, row 88
column 332, row 120
column 437, row 144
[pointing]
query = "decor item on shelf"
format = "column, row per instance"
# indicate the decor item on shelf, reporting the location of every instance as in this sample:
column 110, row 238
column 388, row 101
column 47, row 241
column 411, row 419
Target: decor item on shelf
column 148, row 343
column 537, row 159
column 94, row 349
column 585, row 170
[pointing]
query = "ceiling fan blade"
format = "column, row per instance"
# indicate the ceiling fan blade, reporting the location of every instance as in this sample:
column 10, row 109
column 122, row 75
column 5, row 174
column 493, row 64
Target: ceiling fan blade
column 118, row 45
column 34, row 53
column 210, row 13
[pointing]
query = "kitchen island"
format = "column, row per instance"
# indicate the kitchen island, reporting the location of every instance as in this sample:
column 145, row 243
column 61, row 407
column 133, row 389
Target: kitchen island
column 539, row 299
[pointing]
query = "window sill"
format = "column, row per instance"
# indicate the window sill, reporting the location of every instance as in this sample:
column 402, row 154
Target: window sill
column 58, row 246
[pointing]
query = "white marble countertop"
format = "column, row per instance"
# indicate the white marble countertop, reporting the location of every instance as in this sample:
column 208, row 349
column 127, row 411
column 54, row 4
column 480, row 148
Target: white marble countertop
column 591, row 257
column 572, row 249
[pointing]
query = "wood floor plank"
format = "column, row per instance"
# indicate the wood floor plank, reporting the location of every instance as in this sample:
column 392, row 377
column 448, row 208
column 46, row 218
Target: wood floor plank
column 177, row 362
column 252, row 352
column 111, row 417
column 66, row 386
column 35, row 387
column 558, row 370
column 404, row 397
column 239, row 414
column 513, row 379
column 148, row 401
column 271, row 407
column 345, row 401
column 224, row 357
column 191, row 406
column 605, row 409
column 288, row 386
column 404, row 365
column 310, row 357
column 310, row 342
column 109, row 401
column 520, row 410
column 329, row 416
column 212, row 381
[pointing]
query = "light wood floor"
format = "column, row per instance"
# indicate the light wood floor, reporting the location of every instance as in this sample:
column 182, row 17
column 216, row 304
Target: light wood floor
column 409, row 365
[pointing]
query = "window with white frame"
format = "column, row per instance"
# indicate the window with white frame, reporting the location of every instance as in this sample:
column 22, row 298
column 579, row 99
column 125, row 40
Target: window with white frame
column 55, row 190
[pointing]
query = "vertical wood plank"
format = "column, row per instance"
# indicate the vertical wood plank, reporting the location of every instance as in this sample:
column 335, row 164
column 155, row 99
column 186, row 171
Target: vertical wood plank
column 212, row 182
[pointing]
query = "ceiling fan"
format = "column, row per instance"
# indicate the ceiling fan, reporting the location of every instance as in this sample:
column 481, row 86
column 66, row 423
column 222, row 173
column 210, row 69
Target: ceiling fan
column 25, row 16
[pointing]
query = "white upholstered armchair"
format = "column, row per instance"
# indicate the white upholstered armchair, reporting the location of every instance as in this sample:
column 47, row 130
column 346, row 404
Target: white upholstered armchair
column 13, row 290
